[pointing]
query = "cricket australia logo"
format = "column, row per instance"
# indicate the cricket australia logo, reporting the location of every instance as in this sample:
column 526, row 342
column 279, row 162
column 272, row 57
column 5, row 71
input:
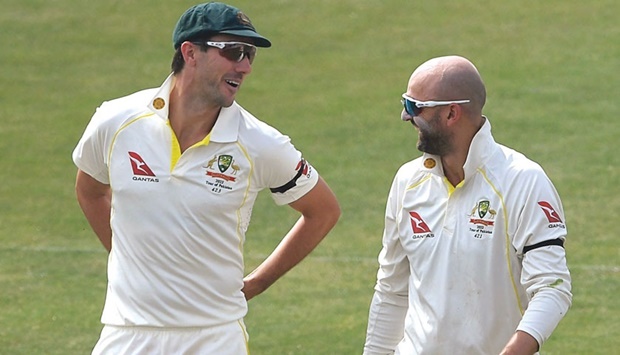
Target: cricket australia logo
column 482, row 217
column 224, row 161
column 221, row 171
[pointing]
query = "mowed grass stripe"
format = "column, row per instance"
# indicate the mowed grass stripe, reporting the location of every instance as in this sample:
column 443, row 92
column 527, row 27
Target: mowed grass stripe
column 311, row 257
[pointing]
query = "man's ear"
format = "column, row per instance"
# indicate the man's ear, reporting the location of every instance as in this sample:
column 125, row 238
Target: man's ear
column 454, row 114
column 188, row 50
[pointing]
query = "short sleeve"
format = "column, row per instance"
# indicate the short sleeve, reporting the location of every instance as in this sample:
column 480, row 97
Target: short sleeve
column 291, row 176
column 90, row 153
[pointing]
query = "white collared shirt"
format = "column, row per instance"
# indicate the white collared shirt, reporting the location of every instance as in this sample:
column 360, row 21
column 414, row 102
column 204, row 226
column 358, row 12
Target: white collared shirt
column 179, row 220
column 453, row 275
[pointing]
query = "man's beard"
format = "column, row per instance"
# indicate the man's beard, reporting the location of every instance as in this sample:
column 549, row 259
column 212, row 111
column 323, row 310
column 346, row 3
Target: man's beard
column 431, row 139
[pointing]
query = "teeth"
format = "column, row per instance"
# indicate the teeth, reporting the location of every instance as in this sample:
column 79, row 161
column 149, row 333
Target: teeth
column 233, row 83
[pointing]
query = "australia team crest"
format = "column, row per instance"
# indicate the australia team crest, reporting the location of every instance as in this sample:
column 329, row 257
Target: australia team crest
column 224, row 162
column 221, row 172
column 482, row 219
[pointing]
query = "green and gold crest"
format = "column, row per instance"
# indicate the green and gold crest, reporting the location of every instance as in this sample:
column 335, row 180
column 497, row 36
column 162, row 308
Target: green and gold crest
column 223, row 162
column 483, row 208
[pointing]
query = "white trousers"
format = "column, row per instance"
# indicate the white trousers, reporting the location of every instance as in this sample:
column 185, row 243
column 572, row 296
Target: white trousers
column 226, row 339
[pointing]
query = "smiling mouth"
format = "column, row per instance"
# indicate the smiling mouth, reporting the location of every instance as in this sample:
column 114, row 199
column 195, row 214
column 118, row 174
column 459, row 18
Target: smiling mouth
column 233, row 83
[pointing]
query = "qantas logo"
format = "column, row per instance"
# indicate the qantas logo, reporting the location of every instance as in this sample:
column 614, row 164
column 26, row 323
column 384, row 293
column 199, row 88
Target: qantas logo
column 419, row 227
column 417, row 224
column 302, row 167
column 141, row 170
column 551, row 214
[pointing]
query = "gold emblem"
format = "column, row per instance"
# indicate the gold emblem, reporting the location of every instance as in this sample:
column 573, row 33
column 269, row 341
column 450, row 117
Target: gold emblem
column 429, row 163
column 159, row 103
column 243, row 19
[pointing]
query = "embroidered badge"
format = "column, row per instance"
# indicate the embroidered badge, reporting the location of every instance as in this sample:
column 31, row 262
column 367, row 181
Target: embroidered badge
column 482, row 218
column 243, row 19
column 221, row 171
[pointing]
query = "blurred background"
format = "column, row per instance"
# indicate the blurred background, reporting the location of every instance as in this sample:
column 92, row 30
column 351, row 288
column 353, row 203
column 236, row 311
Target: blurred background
column 332, row 81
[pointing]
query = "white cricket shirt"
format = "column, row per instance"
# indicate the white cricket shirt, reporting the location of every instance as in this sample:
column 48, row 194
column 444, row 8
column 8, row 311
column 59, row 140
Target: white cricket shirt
column 453, row 276
column 179, row 220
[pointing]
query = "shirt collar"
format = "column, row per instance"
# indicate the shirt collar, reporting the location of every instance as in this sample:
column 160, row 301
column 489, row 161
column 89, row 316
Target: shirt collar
column 480, row 149
column 226, row 128
column 160, row 102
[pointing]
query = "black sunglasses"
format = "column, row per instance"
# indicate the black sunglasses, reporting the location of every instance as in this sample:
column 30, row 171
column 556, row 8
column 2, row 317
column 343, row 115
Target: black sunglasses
column 233, row 51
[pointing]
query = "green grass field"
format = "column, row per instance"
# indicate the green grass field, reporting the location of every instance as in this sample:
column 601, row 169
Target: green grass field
column 331, row 81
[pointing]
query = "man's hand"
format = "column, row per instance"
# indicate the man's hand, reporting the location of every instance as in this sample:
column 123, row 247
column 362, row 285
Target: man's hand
column 319, row 213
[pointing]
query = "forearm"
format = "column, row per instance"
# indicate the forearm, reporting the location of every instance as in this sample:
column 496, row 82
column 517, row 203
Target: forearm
column 319, row 213
column 98, row 215
column 94, row 199
column 296, row 245
column 543, row 314
column 546, row 278
column 386, row 323
column 521, row 343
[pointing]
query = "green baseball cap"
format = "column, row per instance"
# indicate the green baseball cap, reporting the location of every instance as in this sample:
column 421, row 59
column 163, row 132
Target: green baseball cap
column 208, row 19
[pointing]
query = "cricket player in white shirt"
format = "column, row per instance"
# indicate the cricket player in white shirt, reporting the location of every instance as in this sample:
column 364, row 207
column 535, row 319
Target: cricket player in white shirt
column 167, row 178
column 473, row 259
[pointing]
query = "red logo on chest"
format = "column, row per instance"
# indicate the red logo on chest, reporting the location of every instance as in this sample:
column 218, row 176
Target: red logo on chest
column 139, row 166
column 417, row 224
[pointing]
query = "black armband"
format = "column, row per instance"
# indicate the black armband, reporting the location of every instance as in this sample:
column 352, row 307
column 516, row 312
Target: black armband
column 289, row 185
column 558, row 242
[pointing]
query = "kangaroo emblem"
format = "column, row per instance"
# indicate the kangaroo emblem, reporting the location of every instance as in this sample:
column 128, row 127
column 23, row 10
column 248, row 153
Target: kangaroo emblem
column 210, row 163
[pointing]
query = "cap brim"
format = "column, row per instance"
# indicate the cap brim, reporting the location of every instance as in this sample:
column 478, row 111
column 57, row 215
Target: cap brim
column 258, row 40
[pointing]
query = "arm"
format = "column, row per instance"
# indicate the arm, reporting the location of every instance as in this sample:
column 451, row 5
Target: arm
column 521, row 343
column 95, row 201
column 539, row 239
column 386, row 323
column 386, row 319
column 545, row 271
column 319, row 213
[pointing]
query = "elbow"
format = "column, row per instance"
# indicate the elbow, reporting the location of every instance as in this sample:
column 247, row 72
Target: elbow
column 336, row 212
column 329, row 216
column 333, row 214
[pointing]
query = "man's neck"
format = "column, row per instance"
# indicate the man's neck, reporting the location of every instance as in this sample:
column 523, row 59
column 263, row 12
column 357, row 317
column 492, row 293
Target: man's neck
column 190, row 121
column 453, row 165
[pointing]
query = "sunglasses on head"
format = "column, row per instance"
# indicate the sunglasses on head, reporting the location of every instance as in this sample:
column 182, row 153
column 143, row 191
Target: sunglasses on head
column 414, row 107
column 233, row 51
